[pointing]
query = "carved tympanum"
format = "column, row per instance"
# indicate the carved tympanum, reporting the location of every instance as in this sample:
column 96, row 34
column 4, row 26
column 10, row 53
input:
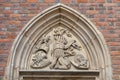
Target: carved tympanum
column 59, row 49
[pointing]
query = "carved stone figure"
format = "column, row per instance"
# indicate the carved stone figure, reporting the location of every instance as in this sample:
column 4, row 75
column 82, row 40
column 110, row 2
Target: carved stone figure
column 60, row 46
column 59, row 59
column 80, row 61
column 40, row 59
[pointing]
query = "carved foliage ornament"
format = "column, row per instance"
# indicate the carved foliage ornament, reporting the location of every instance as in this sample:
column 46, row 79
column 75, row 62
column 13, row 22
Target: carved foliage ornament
column 59, row 49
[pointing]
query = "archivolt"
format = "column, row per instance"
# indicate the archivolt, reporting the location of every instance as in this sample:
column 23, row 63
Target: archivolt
column 60, row 15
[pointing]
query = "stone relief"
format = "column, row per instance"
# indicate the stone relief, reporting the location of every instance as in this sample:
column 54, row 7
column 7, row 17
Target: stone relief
column 40, row 59
column 59, row 49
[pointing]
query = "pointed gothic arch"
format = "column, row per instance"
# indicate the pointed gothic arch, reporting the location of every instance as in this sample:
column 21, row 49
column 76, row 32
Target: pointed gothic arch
column 60, row 15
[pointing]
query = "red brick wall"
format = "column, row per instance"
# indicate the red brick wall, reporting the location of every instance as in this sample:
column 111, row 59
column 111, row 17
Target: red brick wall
column 105, row 14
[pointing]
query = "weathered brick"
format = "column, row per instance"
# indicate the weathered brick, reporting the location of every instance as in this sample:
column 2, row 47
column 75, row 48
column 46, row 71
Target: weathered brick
column 24, row 4
column 15, row 11
column 115, row 62
column 65, row 1
column 116, row 0
column 99, row 0
column 111, row 35
column 57, row 1
column 114, row 48
column 109, row 1
column 40, row 0
column 114, row 43
column 2, row 0
column 31, row 0
column 101, row 24
column 47, row 1
column 7, row 4
column 92, row 12
column 111, row 19
column 15, row 15
column 115, row 53
column 82, row 1
column 15, row 0
column 116, row 66
column 1, row 74
column 110, row 4
column 14, row 22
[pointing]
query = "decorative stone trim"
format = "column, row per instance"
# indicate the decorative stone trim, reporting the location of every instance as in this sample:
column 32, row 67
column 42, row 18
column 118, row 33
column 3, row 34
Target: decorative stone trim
column 82, row 75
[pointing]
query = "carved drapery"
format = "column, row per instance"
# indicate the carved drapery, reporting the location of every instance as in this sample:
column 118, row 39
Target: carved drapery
column 59, row 39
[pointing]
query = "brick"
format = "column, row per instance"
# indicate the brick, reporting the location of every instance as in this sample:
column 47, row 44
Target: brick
column 65, row 1
column 7, row 12
column 115, row 53
column 15, row 15
column 101, row 11
column 110, row 4
column 1, row 74
column 114, row 43
column 99, row 0
column 100, row 16
column 24, row 4
column 2, row 60
column 31, row 15
column 111, row 35
column 82, row 1
column 5, row 40
column 91, row 8
column 115, row 62
column 40, row 0
column 47, row 1
column 114, row 48
column 102, row 20
column 117, row 31
column 3, row 56
column 91, row 1
column 7, row 4
column 16, row 6
column 2, row 0
column 116, row 77
column 13, row 36
column 1, row 68
column 116, row 0
column 7, row 8
column 91, row 16
column 116, row 66
column 115, row 57
column 3, row 65
column 57, row 1
column 15, row 11
column 110, row 39
column 15, row 0
column 109, row 11
column 92, row 12
column 101, row 24
column 105, row 31
column 31, row 0
column 109, row 1
column 4, row 51
column 14, row 22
